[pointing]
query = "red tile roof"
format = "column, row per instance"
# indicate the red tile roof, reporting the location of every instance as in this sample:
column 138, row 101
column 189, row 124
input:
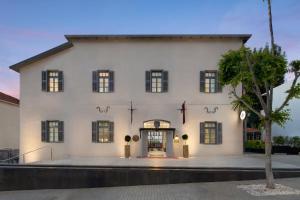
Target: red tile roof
column 9, row 99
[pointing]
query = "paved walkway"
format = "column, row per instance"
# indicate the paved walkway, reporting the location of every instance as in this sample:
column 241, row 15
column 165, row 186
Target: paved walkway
column 242, row 161
column 209, row 191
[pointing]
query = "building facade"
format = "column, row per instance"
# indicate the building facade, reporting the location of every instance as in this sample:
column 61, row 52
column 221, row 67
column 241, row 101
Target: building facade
column 9, row 122
column 82, row 97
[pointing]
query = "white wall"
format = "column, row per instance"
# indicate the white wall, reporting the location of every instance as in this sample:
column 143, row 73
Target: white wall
column 76, row 106
column 9, row 125
column 292, row 127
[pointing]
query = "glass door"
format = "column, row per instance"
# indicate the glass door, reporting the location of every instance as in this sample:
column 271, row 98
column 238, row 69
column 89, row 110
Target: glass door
column 156, row 141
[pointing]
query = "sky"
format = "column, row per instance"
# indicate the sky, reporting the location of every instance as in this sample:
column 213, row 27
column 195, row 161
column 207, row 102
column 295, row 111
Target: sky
column 33, row 26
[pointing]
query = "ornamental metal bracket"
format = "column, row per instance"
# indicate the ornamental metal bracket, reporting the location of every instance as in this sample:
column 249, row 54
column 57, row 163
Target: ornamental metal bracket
column 131, row 109
column 214, row 110
column 103, row 109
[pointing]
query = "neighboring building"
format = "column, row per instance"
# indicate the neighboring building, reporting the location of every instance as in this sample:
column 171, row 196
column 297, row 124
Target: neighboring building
column 292, row 127
column 253, row 134
column 76, row 98
column 9, row 122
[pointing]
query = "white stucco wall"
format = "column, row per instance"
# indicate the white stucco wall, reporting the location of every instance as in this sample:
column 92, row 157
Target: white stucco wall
column 292, row 127
column 9, row 125
column 76, row 106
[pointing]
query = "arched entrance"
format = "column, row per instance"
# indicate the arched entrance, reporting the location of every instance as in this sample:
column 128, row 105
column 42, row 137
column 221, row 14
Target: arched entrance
column 157, row 138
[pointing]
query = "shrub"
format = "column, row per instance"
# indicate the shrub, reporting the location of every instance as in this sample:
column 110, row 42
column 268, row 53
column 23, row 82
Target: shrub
column 255, row 144
column 127, row 138
column 295, row 141
column 278, row 140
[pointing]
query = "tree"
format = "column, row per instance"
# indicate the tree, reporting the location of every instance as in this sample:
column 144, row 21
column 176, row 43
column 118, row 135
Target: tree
column 257, row 69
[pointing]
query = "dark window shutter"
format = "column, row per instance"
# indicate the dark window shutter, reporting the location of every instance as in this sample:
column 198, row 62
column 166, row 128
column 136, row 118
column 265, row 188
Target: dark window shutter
column 219, row 131
column 111, row 131
column 111, row 81
column 202, row 81
column 218, row 82
column 148, row 81
column 60, row 81
column 202, row 132
column 165, row 80
column 44, row 81
column 44, row 131
column 60, row 131
column 95, row 131
column 95, row 81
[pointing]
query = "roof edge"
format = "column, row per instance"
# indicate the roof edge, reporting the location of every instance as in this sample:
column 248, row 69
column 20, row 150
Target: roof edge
column 243, row 37
column 16, row 67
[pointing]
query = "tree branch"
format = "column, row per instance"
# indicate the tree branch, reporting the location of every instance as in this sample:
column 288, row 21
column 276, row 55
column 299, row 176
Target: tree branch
column 246, row 104
column 289, row 96
column 257, row 89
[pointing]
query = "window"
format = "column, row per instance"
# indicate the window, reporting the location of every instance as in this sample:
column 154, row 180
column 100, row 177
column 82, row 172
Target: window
column 103, row 81
column 102, row 131
column 52, row 131
column 156, row 81
column 52, row 81
column 210, row 133
column 209, row 82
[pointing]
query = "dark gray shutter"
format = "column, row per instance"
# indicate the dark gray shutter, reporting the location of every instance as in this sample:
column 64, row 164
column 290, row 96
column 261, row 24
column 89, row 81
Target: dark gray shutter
column 202, row 81
column 95, row 131
column 60, row 81
column 95, row 81
column 44, row 131
column 60, row 131
column 148, row 81
column 202, row 132
column 219, row 133
column 44, row 81
column 111, row 81
column 111, row 131
column 165, row 80
column 218, row 82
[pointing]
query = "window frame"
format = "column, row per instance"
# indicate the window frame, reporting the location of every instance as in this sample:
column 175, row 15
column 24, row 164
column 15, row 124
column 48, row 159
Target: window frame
column 55, row 83
column 101, row 134
column 215, row 128
column 210, row 78
column 156, row 81
column 104, row 82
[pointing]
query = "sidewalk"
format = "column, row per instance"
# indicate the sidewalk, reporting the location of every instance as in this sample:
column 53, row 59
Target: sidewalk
column 241, row 161
column 209, row 191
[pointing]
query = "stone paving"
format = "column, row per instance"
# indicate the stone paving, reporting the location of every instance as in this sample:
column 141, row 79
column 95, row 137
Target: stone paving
column 240, row 161
column 205, row 191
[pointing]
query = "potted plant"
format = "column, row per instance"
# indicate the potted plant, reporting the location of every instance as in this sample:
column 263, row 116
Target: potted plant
column 185, row 146
column 127, row 146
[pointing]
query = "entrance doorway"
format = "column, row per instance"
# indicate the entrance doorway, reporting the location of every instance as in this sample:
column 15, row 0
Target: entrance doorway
column 157, row 140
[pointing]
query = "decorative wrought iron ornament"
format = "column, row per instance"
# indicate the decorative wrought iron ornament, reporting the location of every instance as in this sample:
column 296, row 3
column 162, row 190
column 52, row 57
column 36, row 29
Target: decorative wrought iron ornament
column 183, row 110
column 214, row 110
column 103, row 109
column 131, row 109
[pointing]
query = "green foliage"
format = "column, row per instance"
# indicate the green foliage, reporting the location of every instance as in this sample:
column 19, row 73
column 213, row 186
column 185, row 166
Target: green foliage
column 127, row 138
column 281, row 117
column 184, row 136
column 255, row 144
column 279, row 140
column 295, row 65
column 295, row 141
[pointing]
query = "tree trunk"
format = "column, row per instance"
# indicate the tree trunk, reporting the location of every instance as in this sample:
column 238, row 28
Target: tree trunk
column 271, row 26
column 268, row 153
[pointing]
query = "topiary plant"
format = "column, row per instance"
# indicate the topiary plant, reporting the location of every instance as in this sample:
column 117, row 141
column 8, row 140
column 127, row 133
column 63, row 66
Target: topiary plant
column 185, row 137
column 127, row 139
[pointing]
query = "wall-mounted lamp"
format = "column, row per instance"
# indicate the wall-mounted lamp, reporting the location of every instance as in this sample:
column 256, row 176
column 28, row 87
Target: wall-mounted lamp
column 176, row 139
column 243, row 115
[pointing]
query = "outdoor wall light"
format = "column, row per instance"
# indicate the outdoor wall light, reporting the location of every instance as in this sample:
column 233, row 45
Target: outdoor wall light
column 176, row 139
column 243, row 115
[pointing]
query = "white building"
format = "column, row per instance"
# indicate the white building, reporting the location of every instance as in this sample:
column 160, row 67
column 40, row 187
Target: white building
column 292, row 127
column 77, row 97
column 9, row 122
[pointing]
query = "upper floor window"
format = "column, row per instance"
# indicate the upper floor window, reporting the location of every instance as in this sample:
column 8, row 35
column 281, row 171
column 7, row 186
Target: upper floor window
column 103, row 81
column 210, row 133
column 52, row 131
column 156, row 81
column 209, row 82
column 52, row 81
column 102, row 132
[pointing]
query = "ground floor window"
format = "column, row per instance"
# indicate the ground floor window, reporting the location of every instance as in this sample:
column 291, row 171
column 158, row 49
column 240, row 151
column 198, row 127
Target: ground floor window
column 210, row 133
column 52, row 131
column 102, row 131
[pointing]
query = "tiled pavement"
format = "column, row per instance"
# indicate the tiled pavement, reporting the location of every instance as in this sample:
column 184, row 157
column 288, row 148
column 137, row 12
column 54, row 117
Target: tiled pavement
column 209, row 191
column 240, row 161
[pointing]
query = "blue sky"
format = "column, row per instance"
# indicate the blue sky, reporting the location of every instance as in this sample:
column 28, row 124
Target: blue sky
column 32, row 26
